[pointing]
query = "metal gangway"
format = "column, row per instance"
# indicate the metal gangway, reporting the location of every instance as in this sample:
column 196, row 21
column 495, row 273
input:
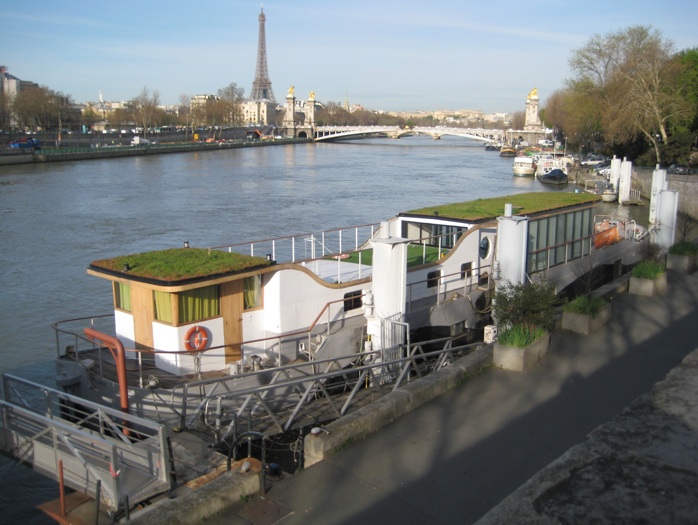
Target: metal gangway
column 292, row 392
column 113, row 457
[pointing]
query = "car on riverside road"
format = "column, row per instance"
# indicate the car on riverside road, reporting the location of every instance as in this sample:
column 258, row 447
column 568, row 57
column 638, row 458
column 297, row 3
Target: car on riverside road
column 593, row 160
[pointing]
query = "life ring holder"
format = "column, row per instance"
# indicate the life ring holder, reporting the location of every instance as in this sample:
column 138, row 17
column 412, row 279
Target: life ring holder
column 196, row 339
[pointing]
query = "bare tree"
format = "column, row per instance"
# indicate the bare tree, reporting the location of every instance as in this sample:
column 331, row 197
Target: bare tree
column 685, row 224
column 185, row 113
column 40, row 107
column 231, row 98
column 143, row 108
column 633, row 78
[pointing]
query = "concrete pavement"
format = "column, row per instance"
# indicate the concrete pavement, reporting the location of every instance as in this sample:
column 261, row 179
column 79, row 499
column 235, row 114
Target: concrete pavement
column 458, row 456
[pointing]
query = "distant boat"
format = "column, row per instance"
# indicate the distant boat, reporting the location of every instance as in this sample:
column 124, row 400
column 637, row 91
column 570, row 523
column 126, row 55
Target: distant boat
column 507, row 152
column 601, row 187
column 524, row 166
column 554, row 176
column 491, row 146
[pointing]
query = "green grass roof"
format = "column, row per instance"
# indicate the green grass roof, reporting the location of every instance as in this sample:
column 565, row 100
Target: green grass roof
column 179, row 264
column 523, row 203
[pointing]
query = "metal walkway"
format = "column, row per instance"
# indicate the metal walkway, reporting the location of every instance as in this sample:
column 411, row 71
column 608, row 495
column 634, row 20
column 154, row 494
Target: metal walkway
column 113, row 457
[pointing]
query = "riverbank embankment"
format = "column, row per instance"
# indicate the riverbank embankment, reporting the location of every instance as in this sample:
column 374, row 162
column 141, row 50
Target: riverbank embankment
column 603, row 429
column 27, row 156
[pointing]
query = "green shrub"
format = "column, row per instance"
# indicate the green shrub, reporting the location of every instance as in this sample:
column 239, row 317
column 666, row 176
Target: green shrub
column 684, row 248
column 530, row 305
column 586, row 304
column 648, row 270
column 519, row 335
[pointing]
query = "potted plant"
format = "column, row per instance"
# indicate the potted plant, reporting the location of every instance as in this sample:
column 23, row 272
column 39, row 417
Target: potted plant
column 586, row 314
column 682, row 256
column 525, row 314
column 648, row 278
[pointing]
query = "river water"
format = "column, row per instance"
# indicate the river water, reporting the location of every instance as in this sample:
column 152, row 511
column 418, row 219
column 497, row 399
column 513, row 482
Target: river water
column 56, row 218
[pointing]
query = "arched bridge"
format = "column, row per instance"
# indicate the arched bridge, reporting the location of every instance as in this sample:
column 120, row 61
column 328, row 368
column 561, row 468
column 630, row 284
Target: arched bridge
column 330, row 133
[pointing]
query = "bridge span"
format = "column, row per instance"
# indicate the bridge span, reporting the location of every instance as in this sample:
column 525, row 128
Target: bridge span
column 333, row 133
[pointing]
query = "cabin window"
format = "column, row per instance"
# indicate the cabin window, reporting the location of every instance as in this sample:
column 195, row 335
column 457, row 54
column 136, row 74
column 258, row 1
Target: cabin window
column 433, row 279
column 352, row 300
column 122, row 296
column 433, row 234
column 163, row 306
column 484, row 248
column 201, row 303
column 559, row 256
column 555, row 240
column 252, row 292
column 466, row 270
column 445, row 236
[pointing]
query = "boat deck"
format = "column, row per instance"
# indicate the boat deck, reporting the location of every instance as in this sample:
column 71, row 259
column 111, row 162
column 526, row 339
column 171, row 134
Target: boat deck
column 338, row 271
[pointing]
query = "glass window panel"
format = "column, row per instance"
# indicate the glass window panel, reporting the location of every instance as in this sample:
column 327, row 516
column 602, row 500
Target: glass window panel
column 352, row 300
column 577, row 224
column 586, row 214
column 199, row 304
column 552, row 230
column 163, row 306
column 253, row 292
column 560, row 229
column 569, row 225
column 433, row 279
column 542, row 234
column 122, row 296
column 532, row 236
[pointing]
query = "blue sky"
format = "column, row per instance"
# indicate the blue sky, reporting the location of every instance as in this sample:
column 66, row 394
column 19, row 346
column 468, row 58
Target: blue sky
column 384, row 54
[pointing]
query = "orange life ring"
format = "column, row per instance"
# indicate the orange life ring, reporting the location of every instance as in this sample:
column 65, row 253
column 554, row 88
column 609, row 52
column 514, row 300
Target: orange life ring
column 196, row 339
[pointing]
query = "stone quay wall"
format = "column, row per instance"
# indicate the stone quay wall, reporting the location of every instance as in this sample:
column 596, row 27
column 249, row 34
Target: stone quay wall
column 685, row 185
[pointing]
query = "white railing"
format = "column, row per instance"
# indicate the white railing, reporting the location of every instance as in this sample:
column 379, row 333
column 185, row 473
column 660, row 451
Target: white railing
column 112, row 456
column 306, row 246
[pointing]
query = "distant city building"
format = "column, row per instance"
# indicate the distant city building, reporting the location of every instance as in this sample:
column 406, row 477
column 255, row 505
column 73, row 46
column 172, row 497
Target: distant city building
column 9, row 84
column 199, row 101
column 10, row 87
column 259, row 112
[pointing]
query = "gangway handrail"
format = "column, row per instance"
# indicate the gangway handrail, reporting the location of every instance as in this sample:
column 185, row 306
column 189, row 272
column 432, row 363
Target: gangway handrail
column 134, row 467
column 246, row 395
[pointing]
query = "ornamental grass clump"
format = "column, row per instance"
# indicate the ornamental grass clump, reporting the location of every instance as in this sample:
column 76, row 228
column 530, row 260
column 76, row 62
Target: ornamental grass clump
column 586, row 304
column 520, row 336
column 683, row 248
column 524, row 312
column 648, row 270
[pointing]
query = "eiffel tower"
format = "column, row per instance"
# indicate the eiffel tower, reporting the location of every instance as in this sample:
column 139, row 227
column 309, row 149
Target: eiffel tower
column 261, row 87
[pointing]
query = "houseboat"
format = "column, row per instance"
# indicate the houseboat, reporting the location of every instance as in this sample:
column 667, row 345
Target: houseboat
column 204, row 340
column 524, row 166
column 547, row 162
column 217, row 318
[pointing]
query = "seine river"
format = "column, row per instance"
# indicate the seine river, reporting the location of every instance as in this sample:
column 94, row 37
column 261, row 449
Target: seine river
column 56, row 218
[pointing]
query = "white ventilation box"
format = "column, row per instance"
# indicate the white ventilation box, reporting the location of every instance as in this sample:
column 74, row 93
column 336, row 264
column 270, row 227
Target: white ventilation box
column 490, row 334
